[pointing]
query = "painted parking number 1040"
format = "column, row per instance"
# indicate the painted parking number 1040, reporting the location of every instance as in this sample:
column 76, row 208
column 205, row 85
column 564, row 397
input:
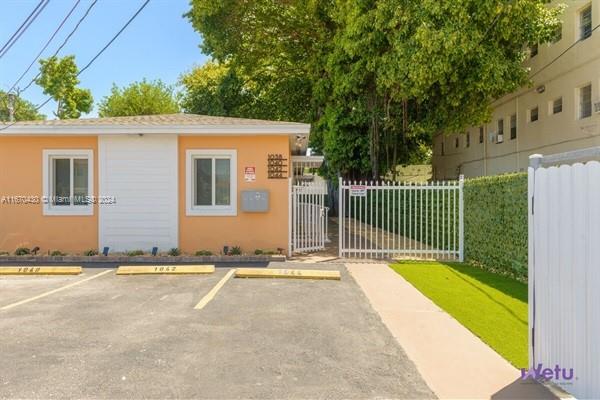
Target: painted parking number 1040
column 29, row 270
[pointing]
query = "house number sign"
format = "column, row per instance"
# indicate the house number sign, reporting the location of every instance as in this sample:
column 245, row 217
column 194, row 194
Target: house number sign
column 277, row 166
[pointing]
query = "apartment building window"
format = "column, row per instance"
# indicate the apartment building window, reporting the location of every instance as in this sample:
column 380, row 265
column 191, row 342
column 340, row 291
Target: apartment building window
column 533, row 114
column 533, row 50
column 557, row 105
column 468, row 144
column 481, row 134
column 557, row 34
column 456, row 143
column 585, row 101
column 585, row 23
column 500, row 135
column 513, row 126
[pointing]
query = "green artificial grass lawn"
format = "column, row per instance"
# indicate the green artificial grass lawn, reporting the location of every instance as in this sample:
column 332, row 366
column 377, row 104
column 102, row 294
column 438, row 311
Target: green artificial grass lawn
column 493, row 307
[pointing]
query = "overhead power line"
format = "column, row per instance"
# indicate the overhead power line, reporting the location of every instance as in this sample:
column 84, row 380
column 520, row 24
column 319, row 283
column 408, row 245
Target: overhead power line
column 24, row 26
column 64, row 42
column 46, row 45
column 134, row 16
column 563, row 53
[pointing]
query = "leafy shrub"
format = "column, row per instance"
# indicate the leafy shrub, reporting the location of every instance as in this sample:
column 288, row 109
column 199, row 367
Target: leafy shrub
column 235, row 251
column 4, row 253
column 496, row 223
column 259, row 252
column 174, row 252
column 90, row 252
column 134, row 253
column 57, row 253
column 22, row 251
column 204, row 253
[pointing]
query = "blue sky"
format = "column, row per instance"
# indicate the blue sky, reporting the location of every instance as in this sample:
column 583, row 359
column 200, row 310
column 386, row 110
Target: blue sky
column 159, row 43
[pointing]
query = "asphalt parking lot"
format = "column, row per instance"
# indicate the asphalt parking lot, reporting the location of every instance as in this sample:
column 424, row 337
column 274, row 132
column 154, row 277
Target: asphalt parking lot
column 140, row 337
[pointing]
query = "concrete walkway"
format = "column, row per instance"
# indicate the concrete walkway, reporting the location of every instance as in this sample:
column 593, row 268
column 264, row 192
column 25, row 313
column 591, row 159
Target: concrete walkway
column 453, row 361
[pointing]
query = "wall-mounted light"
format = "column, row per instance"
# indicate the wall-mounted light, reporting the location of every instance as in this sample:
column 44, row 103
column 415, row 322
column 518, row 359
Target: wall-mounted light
column 541, row 89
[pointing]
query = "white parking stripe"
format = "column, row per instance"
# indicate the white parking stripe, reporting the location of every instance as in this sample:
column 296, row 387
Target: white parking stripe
column 210, row 295
column 70, row 285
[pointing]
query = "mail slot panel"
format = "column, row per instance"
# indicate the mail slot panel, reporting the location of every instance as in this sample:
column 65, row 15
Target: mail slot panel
column 255, row 200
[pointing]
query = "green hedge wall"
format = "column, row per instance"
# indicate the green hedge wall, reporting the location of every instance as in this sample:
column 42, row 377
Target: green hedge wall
column 496, row 223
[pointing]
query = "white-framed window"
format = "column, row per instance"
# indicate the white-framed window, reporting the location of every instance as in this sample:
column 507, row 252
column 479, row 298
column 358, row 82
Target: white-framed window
column 533, row 50
column 557, row 36
column 500, row 135
column 585, row 101
column 513, row 126
column 556, row 106
column 68, row 182
column 585, row 22
column 211, row 182
column 534, row 114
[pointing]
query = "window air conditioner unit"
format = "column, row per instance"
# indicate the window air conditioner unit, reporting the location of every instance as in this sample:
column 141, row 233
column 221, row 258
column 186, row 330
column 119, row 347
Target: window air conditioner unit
column 499, row 138
column 597, row 106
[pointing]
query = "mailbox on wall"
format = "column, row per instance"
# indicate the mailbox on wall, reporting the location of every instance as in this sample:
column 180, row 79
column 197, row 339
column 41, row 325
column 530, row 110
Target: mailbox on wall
column 255, row 200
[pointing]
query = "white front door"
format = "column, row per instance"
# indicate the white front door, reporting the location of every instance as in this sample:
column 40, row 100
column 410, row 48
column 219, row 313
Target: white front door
column 140, row 172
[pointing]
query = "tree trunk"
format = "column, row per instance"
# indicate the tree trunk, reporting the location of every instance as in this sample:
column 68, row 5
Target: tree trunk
column 374, row 130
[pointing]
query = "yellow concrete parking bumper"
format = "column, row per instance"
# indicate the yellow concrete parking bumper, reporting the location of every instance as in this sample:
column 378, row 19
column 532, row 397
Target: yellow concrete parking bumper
column 286, row 273
column 39, row 270
column 165, row 269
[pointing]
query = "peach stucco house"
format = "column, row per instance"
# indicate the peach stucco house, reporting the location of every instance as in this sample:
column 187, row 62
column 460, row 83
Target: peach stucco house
column 179, row 180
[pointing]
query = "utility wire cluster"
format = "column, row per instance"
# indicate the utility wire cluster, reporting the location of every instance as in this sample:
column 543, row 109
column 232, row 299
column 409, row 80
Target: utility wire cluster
column 31, row 18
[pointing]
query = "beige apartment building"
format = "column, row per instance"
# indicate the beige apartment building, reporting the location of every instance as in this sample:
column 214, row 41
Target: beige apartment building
column 559, row 112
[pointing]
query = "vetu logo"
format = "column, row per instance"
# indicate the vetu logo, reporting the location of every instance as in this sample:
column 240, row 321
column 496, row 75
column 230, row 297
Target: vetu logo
column 539, row 372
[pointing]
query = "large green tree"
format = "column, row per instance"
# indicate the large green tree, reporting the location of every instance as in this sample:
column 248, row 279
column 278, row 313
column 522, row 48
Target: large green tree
column 214, row 89
column 221, row 89
column 24, row 110
column 58, row 79
column 139, row 98
column 377, row 78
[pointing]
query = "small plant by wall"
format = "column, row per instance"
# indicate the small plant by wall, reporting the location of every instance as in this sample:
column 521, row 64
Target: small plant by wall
column 260, row 252
column 496, row 223
column 22, row 251
column 235, row 251
column 174, row 252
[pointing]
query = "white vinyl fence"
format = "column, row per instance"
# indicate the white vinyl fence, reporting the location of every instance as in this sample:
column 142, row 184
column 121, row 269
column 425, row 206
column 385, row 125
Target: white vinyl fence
column 564, row 269
column 308, row 214
column 391, row 219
